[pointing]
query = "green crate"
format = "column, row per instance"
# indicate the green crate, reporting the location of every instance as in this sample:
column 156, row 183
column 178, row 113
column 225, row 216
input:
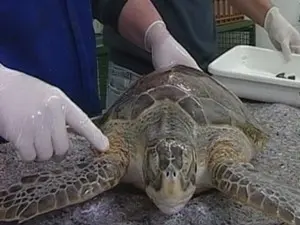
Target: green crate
column 235, row 33
column 102, row 69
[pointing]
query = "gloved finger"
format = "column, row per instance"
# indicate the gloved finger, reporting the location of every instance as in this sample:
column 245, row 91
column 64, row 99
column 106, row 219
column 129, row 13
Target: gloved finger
column 59, row 134
column 192, row 64
column 295, row 48
column 43, row 145
column 187, row 60
column 276, row 44
column 80, row 122
column 286, row 51
column 26, row 150
column 160, row 61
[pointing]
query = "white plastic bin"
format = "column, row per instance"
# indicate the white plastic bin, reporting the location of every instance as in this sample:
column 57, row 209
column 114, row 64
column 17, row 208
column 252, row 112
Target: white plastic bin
column 250, row 72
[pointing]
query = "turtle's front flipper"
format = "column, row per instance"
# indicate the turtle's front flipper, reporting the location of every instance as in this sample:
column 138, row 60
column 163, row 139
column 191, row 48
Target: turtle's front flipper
column 47, row 191
column 248, row 186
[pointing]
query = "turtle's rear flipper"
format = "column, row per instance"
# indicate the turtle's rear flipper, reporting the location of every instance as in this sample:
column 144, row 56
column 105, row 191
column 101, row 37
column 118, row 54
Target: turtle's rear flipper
column 47, row 191
column 249, row 186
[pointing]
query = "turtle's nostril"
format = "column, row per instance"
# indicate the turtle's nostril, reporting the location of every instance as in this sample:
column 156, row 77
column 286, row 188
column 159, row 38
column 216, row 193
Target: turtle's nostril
column 171, row 174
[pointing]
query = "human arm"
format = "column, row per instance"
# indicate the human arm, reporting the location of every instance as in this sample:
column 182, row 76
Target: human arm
column 254, row 9
column 130, row 18
column 33, row 116
column 139, row 22
column 282, row 34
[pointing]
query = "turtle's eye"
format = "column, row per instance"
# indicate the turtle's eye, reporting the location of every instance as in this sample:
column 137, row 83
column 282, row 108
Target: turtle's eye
column 151, row 166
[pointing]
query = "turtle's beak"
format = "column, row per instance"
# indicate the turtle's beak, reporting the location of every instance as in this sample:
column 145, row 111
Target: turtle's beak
column 171, row 198
column 170, row 208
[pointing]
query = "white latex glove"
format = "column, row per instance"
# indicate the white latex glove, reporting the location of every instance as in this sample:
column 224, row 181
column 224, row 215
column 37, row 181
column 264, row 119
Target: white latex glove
column 282, row 34
column 33, row 116
column 165, row 50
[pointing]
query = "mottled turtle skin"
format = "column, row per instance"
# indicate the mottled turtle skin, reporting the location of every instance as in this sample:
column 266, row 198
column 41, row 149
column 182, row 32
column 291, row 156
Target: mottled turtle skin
column 173, row 133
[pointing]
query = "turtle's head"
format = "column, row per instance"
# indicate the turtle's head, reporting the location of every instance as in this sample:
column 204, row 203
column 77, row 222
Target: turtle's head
column 170, row 174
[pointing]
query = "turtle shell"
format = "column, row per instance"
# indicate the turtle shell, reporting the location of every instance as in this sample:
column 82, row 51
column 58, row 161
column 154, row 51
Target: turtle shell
column 205, row 99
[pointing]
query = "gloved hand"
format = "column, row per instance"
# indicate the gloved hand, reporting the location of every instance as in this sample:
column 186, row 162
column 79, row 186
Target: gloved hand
column 282, row 34
column 165, row 50
column 33, row 117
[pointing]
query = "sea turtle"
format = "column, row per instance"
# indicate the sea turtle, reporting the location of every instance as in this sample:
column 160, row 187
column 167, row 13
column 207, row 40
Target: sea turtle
column 173, row 133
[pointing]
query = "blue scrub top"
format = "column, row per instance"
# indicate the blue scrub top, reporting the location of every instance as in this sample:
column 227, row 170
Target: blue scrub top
column 54, row 41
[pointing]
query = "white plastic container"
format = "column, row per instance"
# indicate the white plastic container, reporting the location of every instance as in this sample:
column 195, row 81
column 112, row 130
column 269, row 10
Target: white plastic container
column 250, row 72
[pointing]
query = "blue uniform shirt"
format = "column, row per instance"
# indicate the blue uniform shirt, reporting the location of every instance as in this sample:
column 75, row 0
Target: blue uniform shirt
column 54, row 41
